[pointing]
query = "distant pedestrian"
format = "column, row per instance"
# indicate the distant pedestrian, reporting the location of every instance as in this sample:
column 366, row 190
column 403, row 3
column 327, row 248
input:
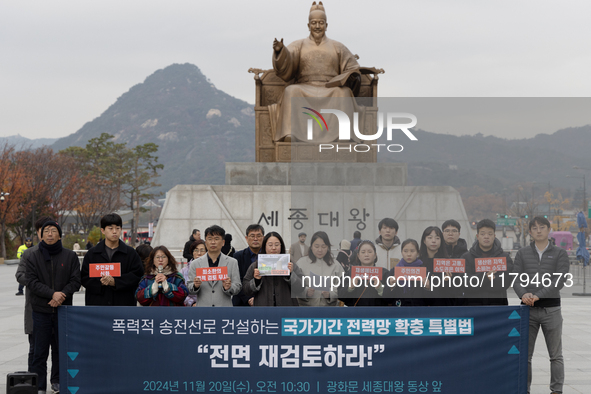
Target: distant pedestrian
column 28, row 243
column 195, row 235
column 344, row 255
column 21, row 277
column 299, row 249
column 355, row 241
column 228, row 249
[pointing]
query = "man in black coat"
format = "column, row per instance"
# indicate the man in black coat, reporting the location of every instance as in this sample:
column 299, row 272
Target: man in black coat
column 21, row 277
column 53, row 276
column 245, row 257
column 494, row 287
column 110, row 290
column 456, row 246
column 192, row 238
column 546, row 267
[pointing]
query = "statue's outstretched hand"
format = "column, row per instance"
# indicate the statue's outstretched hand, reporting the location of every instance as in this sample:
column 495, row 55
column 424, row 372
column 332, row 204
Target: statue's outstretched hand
column 277, row 45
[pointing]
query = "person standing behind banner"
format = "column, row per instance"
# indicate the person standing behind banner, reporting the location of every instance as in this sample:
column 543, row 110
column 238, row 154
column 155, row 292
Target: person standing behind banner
column 53, row 276
column 318, row 262
column 345, row 256
column 456, row 248
column 494, row 289
column 195, row 235
column 228, row 249
column 197, row 249
column 144, row 251
column 433, row 247
column 367, row 294
column 21, row 277
column 162, row 284
column 355, row 241
column 109, row 290
column 216, row 292
column 299, row 249
column 245, row 257
column 269, row 290
column 388, row 244
column 412, row 293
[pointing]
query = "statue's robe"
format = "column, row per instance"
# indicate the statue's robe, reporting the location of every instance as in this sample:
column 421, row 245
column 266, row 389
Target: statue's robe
column 312, row 66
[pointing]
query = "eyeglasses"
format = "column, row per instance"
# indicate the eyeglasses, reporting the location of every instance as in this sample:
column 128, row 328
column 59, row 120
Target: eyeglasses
column 451, row 231
column 255, row 236
column 160, row 257
column 541, row 228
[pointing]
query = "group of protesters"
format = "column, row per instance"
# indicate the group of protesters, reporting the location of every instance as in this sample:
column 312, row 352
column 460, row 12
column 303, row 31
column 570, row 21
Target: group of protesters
column 115, row 274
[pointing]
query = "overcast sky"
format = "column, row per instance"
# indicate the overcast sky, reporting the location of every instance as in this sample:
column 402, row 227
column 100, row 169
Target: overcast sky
column 62, row 63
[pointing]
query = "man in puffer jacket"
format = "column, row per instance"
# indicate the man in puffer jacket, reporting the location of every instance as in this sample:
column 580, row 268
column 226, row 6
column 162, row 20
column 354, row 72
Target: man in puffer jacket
column 547, row 265
column 494, row 288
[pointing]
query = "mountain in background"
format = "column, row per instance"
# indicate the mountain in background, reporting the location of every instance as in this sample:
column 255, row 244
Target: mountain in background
column 196, row 126
column 491, row 162
column 22, row 143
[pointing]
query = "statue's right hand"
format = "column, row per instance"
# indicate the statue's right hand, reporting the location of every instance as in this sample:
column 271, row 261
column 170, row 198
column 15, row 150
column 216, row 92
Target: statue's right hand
column 277, row 45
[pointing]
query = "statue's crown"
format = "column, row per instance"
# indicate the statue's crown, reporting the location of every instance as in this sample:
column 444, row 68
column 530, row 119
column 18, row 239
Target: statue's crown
column 318, row 7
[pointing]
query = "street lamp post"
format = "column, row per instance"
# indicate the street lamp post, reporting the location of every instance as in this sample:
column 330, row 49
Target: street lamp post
column 584, row 293
column 584, row 188
column 3, row 196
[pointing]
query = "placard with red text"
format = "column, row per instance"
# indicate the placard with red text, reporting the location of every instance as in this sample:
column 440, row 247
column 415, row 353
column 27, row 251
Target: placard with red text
column 212, row 273
column 410, row 271
column 359, row 270
column 100, row 270
column 449, row 265
column 486, row 264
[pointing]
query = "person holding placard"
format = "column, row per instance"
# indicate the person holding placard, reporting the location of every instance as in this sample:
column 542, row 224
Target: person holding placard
column 408, row 292
column 163, row 284
column 111, row 289
column 367, row 289
column 269, row 287
column 313, row 274
column 485, row 260
column 197, row 249
column 214, row 277
column 433, row 247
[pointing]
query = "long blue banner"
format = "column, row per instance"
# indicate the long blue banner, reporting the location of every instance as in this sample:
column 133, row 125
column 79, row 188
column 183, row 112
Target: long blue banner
column 293, row 350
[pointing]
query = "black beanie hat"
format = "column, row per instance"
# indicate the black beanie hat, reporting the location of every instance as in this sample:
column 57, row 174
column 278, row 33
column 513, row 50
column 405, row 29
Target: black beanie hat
column 52, row 223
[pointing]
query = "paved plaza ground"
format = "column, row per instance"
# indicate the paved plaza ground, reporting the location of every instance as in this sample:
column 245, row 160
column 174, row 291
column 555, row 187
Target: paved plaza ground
column 576, row 337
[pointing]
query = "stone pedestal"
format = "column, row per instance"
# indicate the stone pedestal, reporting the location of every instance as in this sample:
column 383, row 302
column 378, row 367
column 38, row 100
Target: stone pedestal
column 317, row 174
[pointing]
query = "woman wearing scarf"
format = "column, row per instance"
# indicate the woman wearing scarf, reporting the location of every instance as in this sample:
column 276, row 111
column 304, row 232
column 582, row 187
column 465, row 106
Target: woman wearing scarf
column 162, row 284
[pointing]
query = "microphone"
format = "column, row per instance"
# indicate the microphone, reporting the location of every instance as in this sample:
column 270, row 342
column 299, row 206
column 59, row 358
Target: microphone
column 160, row 269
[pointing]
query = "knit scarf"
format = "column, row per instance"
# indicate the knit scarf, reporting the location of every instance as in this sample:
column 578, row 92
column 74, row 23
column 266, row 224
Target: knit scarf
column 166, row 271
column 50, row 250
